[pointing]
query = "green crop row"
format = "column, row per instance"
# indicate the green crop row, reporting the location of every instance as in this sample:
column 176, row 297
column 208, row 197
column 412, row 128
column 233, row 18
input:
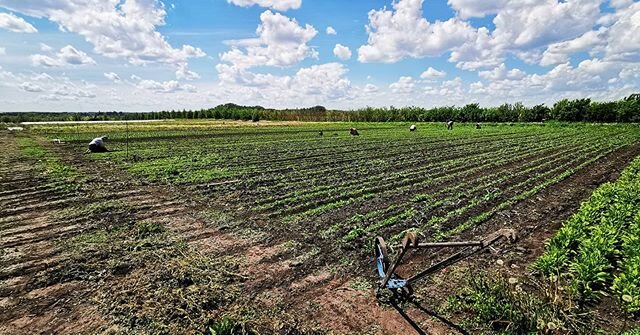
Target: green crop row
column 597, row 250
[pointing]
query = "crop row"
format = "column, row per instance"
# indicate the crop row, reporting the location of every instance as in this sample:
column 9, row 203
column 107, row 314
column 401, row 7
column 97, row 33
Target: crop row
column 597, row 250
column 504, row 190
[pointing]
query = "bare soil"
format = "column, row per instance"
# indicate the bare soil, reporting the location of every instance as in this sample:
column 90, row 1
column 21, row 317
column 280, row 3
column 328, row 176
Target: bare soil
column 314, row 290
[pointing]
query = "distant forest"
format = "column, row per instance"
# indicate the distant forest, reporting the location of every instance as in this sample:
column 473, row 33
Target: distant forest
column 578, row 110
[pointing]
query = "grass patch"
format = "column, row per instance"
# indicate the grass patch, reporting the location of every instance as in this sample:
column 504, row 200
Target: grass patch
column 178, row 170
column 500, row 307
column 58, row 173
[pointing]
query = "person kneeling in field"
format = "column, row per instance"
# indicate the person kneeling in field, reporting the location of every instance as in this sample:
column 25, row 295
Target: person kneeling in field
column 97, row 145
column 413, row 128
column 354, row 132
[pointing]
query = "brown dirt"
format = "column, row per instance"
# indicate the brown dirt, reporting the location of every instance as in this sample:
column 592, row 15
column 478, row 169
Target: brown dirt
column 536, row 220
column 314, row 295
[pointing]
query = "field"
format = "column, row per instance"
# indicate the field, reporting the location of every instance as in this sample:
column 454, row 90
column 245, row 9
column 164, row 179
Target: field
column 266, row 227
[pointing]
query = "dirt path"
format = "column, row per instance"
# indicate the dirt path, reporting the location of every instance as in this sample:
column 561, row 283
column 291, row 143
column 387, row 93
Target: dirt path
column 27, row 236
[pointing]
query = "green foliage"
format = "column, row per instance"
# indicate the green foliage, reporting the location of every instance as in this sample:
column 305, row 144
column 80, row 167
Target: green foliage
column 570, row 110
column 597, row 250
column 53, row 169
column 509, row 310
column 626, row 110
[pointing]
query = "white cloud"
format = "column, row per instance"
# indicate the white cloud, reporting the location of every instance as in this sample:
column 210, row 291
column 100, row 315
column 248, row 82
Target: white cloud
column 29, row 87
column 165, row 86
column 45, row 47
column 331, row 31
column 404, row 32
column 15, row 24
column 112, row 76
column 474, row 8
column 183, row 73
column 116, row 29
column 73, row 92
column 281, row 5
column 482, row 51
column 68, row 55
column 560, row 52
column 531, row 24
column 315, row 84
column 403, row 85
column 500, row 73
column 623, row 41
column 135, row 78
column 342, row 52
column 370, row 88
column 281, row 42
column 525, row 29
column 3, row 51
column 432, row 74
column 59, row 88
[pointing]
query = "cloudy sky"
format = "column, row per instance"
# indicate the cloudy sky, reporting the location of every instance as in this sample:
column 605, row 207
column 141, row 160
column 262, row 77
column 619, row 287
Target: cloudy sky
column 140, row 55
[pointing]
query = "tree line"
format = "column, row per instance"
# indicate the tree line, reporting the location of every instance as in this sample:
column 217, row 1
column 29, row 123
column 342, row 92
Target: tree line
column 576, row 110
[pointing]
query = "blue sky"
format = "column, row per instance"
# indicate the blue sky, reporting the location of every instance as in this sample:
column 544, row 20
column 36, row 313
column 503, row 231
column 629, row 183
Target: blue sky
column 138, row 55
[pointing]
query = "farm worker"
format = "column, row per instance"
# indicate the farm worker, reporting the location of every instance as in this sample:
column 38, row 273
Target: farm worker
column 321, row 133
column 478, row 126
column 413, row 128
column 450, row 125
column 354, row 132
column 97, row 145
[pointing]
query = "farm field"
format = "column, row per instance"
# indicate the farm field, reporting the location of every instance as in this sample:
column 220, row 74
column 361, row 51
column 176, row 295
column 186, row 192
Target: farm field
column 203, row 226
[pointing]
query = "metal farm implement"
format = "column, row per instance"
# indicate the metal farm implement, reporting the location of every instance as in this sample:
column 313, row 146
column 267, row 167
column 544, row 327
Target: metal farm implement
column 401, row 287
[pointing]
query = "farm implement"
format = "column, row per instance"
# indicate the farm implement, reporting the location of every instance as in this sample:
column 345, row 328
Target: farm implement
column 400, row 287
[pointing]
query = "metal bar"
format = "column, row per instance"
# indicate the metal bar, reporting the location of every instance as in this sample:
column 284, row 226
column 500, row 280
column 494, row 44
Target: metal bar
column 440, row 265
column 391, row 270
column 446, row 244
column 457, row 257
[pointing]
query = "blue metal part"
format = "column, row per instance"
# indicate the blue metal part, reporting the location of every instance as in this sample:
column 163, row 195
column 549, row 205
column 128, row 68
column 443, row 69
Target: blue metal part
column 380, row 264
column 394, row 282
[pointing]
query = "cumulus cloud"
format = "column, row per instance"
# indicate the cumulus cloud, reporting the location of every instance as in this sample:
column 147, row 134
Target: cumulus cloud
column 370, row 88
column 342, row 52
column 112, row 76
column 281, row 5
column 72, row 92
column 525, row 29
column 116, row 29
column 317, row 83
column 281, row 42
column 68, row 55
column 501, row 73
column 474, row 8
column 15, row 24
column 165, row 86
column 183, row 73
column 29, row 87
column 59, row 88
column 404, row 32
column 623, row 39
column 432, row 74
column 403, row 85
column 560, row 52
column 331, row 31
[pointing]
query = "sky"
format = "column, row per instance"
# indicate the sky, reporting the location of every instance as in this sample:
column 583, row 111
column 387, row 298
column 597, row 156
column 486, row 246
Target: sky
column 144, row 55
